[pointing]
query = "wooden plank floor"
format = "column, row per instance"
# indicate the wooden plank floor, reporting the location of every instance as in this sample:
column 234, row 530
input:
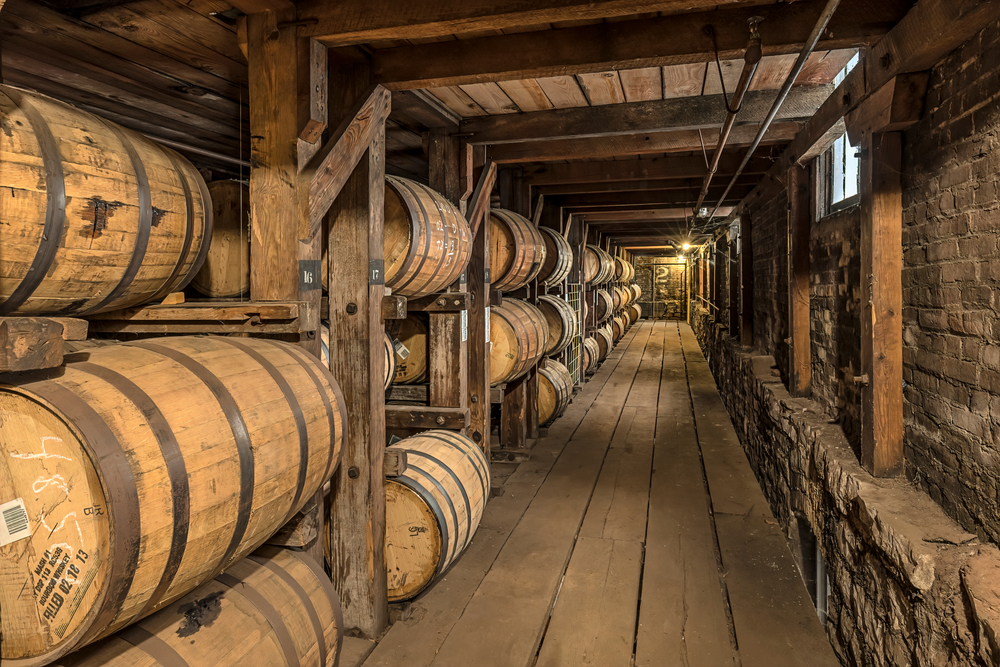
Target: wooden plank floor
column 635, row 535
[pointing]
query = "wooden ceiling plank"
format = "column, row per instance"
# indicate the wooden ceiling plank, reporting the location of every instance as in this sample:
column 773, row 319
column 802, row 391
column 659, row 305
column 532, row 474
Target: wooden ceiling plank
column 419, row 109
column 822, row 67
column 527, row 95
column 490, row 97
column 563, row 91
column 176, row 17
column 731, row 70
column 601, row 88
column 458, row 101
column 671, row 167
column 683, row 80
column 686, row 113
column 670, row 40
column 38, row 23
column 772, row 72
column 641, row 85
column 257, row 6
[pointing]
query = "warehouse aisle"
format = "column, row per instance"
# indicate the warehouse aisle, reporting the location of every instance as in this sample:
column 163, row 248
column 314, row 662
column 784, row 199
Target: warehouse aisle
column 636, row 534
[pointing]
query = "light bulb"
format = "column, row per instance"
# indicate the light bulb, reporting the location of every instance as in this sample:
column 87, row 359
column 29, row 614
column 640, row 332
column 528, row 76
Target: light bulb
column 687, row 245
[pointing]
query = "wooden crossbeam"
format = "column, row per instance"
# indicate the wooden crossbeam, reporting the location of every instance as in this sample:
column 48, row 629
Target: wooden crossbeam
column 481, row 196
column 668, row 184
column 334, row 163
column 930, row 30
column 683, row 113
column 632, row 144
column 654, row 214
column 255, row 6
column 423, row 108
column 647, row 42
column 672, row 167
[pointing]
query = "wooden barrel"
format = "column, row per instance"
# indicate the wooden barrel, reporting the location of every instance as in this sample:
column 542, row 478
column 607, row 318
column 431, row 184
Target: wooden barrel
column 598, row 266
column 276, row 607
column 411, row 353
column 558, row 257
column 618, row 327
column 427, row 239
column 636, row 312
column 147, row 468
column 389, row 354
column 517, row 250
column 561, row 320
column 94, row 217
column 603, row 305
column 555, row 388
column 605, row 341
column 226, row 271
column 624, row 271
column 433, row 509
column 519, row 336
column 616, row 298
column 636, row 292
column 592, row 352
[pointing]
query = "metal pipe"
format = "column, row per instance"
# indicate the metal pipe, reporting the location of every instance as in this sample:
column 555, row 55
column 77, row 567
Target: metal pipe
column 821, row 23
column 751, row 58
column 185, row 148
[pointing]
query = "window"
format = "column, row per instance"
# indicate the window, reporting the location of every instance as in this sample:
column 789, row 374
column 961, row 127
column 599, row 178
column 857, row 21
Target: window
column 840, row 164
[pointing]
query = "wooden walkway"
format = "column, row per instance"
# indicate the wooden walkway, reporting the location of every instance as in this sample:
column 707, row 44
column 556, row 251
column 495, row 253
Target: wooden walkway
column 635, row 535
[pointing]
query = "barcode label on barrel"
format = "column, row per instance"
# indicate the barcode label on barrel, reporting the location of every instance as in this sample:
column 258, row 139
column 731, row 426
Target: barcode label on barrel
column 14, row 526
column 401, row 349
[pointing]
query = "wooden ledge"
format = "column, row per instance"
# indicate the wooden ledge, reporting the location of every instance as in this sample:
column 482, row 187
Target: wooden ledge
column 209, row 317
column 419, row 416
column 445, row 302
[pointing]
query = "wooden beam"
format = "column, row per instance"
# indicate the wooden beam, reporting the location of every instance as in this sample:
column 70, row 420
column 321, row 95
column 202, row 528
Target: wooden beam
column 895, row 106
column 733, row 268
column 355, row 253
column 479, row 287
column 671, row 167
column 255, row 6
column 333, row 165
column 682, row 113
column 656, row 214
column 422, row 108
column 677, row 198
column 424, row 417
column 930, row 30
column 681, row 141
column 481, row 196
column 554, row 192
column 800, row 215
column 648, row 42
column 882, row 305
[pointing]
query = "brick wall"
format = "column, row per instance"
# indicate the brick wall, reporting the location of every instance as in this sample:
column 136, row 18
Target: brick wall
column 664, row 287
column 951, row 243
column 770, row 281
column 835, row 319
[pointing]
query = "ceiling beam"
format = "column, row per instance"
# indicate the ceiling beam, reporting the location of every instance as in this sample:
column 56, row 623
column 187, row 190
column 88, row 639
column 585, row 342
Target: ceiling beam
column 682, row 113
column 655, row 214
column 670, row 184
column 632, row 144
column 648, row 42
column 673, row 166
column 347, row 22
column 611, row 200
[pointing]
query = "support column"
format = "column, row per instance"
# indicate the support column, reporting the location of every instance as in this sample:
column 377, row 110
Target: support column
column 746, row 280
column 479, row 315
column 800, row 214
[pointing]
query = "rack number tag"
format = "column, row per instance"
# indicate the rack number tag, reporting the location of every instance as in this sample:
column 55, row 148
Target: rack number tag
column 376, row 272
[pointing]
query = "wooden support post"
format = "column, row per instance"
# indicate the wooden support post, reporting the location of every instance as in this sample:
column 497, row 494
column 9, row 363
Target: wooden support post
column 513, row 416
column 882, row 304
column 746, row 280
column 800, row 213
column 733, row 267
column 448, row 359
column 357, row 515
column 479, row 323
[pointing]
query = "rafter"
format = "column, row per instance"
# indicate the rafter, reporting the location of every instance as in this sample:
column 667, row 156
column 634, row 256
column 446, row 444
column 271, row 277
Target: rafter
column 674, row 166
column 676, row 184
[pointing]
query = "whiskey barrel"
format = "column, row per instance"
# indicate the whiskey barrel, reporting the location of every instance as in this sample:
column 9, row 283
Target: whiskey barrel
column 517, row 250
column 518, row 338
column 555, row 387
column 433, row 509
column 616, row 297
column 389, row 353
column 636, row 311
column 605, row 341
column 147, row 468
column 618, row 327
column 603, row 305
column 95, row 217
column 277, row 607
column 636, row 292
column 226, row 271
column 592, row 354
column 411, row 356
column 624, row 271
column 561, row 320
column 598, row 267
column 558, row 257
column 427, row 239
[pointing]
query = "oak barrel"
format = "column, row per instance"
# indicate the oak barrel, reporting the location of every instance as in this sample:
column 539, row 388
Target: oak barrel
column 555, row 388
column 592, row 354
column 226, row 271
column 605, row 341
column 95, row 217
column 636, row 292
column 598, row 266
column 433, row 509
column 412, row 353
column 624, row 271
column 517, row 250
column 427, row 239
column 558, row 257
column 603, row 305
column 518, row 338
column 389, row 354
column 561, row 321
column 276, row 608
column 636, row 312
column 616, row 297
column 147, row 468
column 618, row 326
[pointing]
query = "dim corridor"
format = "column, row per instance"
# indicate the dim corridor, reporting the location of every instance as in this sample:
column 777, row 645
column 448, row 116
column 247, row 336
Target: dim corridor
column 635, row 535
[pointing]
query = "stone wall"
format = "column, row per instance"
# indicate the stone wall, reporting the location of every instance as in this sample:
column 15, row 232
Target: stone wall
column 951, row 244
column 908, row 586
column 664, row 287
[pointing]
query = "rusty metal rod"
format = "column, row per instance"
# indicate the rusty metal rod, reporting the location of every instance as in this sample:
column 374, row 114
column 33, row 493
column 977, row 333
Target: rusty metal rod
column 751, row 58
column 821, row 23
